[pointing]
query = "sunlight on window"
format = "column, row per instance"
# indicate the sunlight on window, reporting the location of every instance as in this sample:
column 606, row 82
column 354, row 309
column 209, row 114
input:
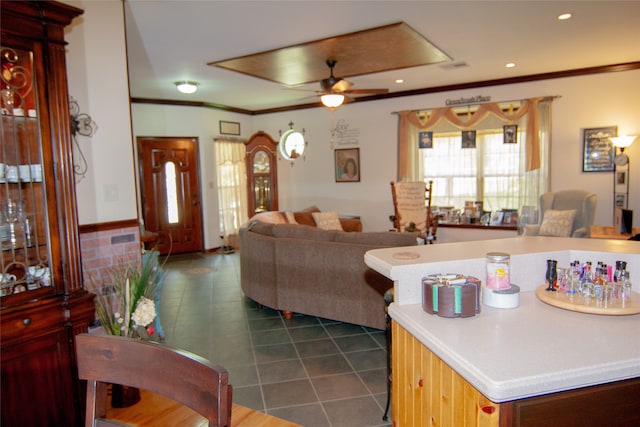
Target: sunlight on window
column 491, row 172
column 172, row 195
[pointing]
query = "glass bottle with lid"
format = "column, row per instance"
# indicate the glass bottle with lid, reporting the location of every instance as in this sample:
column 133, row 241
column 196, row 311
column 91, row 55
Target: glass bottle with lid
column 498, row 275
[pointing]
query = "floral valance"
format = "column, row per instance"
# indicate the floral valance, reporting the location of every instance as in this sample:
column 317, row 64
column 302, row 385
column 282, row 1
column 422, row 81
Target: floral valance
column 410, row 121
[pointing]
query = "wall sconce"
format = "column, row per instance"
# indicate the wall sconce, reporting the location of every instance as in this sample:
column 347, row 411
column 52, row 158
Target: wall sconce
column 292, row 143
column 187, row 87
column 81, row 124
column 332, row 100
column 623, row 141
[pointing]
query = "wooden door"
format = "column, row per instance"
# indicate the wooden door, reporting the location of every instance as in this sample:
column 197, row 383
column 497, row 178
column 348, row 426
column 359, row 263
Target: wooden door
column 170, row 192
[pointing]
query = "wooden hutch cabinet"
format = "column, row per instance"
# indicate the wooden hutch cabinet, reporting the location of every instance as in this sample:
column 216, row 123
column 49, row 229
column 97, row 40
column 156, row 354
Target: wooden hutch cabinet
column 262, row 173
column 43, row 304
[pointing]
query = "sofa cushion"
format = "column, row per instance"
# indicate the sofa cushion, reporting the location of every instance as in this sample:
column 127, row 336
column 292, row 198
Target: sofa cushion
column 264, row 228
column 298, row 231
column 377, row 238
column 327, row 220
column 557, row 223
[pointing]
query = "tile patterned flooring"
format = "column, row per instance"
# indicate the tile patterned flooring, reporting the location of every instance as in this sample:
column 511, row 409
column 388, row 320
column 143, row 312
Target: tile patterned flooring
column 312, row 371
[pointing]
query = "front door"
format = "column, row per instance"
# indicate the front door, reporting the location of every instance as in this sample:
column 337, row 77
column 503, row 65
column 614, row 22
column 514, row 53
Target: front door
column 170, row 192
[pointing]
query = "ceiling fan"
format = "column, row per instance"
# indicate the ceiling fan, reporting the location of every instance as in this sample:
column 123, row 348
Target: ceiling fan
column 335, row 89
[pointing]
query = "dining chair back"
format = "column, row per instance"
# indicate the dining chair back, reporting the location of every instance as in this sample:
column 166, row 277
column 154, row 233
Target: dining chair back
column 177, row 374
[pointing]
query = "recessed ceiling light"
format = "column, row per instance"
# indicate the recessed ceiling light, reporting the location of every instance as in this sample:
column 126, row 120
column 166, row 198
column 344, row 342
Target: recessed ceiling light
column 564, row 17
column 510, row 65
column 399, row 81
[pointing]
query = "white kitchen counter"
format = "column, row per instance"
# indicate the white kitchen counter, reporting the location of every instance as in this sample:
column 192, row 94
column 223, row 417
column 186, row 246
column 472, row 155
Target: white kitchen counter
column 531, row 350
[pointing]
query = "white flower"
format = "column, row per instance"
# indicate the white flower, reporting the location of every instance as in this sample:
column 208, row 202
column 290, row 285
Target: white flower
column 144, row 313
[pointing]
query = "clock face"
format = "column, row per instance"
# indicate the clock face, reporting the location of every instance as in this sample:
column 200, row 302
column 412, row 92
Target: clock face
column 291, row 144
column 621, row 159
column 261, row 162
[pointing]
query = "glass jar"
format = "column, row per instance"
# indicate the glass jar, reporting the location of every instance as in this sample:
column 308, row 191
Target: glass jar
column 498, row 271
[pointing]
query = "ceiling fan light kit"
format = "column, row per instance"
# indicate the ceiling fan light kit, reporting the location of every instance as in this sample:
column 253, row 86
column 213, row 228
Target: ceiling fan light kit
column 332, row 100
column 187, row 86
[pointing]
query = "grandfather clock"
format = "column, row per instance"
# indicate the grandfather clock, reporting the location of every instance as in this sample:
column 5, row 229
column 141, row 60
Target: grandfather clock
column 262, row 173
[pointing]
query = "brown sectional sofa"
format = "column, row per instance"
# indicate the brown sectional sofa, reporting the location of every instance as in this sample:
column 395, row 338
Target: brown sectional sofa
column 303, row 269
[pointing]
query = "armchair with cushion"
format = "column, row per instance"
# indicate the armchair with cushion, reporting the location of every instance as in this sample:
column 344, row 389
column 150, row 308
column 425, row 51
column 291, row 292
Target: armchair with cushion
column 568, row 213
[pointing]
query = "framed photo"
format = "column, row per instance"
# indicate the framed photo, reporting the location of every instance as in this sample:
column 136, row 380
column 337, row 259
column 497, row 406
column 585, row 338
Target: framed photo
column 496, row 218
column 620, row 200
column 229, row 128
column 510, row 134
column 510, row 217
column 347, row 164
column 621, row 178
column 598, row 152
column 425, row 139
column 468, row 139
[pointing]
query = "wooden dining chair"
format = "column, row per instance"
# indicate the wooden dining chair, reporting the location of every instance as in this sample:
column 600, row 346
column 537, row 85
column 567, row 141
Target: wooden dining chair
column 177, row 374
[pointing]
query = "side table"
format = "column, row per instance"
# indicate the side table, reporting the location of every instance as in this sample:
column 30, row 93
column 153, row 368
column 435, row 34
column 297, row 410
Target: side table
column 607, row 232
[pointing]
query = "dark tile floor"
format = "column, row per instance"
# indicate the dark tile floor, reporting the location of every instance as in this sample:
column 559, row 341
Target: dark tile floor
column 312, row 371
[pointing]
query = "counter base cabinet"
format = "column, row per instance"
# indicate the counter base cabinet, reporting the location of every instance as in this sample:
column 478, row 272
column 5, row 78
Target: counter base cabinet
column 614, row 404
column 427, row 392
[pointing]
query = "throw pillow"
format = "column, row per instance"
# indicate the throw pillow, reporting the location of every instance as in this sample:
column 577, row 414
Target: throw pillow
column 557, row 223
column 305, row 218
column 291, row 219
column 327, row 220
column 270, row 217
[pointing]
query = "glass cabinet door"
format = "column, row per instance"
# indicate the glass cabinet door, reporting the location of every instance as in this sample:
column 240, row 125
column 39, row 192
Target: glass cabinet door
column 25, row 262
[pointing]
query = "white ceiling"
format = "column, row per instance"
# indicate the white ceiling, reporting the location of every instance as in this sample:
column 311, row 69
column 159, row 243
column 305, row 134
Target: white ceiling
column 171, row 40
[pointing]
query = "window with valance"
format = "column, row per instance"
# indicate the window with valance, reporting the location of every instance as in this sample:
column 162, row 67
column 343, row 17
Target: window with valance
column 501, row 174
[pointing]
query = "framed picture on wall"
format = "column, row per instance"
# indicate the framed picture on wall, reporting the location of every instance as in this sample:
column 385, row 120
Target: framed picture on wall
column 229, row 128
column 347, row 164
column 598, row 151
column 510, row 134
column 425, row 139
column 468, row 139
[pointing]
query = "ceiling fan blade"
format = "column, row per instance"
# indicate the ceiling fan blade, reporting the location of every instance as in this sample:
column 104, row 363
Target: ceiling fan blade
column 367, row 91
column 341, row 86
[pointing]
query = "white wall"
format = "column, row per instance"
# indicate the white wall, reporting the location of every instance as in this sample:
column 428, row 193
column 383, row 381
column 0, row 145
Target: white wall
column 97, row 76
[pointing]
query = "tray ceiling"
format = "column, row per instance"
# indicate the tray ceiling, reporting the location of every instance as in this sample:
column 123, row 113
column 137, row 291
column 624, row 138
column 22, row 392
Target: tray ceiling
column 386, row 48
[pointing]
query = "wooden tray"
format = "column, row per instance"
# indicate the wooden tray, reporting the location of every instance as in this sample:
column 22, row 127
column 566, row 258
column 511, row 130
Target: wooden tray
column 561, row 300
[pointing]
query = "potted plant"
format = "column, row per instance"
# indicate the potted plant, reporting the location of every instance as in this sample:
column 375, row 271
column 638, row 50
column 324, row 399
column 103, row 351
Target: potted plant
column 126, row 306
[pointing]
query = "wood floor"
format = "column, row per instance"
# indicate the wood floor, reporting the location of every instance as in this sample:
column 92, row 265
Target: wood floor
column 158, row 411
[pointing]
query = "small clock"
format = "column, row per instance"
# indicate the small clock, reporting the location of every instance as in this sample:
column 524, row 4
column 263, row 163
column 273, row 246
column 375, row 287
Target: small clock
column 621, row 159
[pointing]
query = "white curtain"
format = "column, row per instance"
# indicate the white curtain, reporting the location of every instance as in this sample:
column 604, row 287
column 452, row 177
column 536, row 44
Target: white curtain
column 232, row 188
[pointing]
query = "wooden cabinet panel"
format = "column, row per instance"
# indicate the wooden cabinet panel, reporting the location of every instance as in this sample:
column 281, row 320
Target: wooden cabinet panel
column 37, row 371
column 615, row 404
column 427, row 392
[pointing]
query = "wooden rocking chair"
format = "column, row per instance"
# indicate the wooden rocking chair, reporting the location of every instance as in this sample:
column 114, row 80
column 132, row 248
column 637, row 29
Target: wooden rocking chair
column 412, row 209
